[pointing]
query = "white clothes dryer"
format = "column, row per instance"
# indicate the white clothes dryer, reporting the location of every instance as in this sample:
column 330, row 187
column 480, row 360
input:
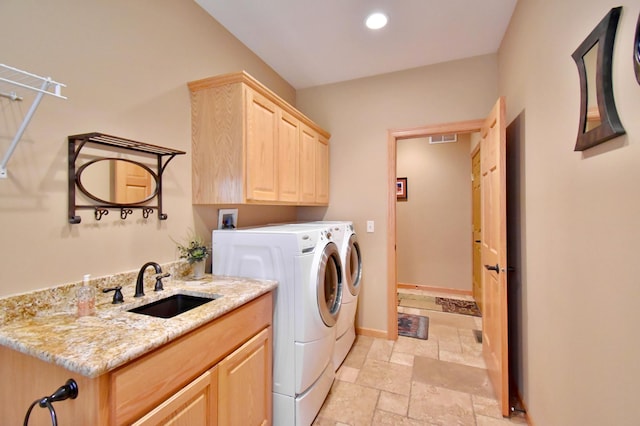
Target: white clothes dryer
column 306, row 263
column 347, row 241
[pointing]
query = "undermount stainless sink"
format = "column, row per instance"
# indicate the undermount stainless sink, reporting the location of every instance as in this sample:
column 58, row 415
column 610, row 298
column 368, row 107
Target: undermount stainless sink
column 172, row 306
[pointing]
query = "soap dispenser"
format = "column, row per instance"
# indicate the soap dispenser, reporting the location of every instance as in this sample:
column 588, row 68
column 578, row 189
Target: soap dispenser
column 86, row 298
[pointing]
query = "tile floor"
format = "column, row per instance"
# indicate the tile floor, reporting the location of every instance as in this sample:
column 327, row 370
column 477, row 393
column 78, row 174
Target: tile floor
column 440, row 381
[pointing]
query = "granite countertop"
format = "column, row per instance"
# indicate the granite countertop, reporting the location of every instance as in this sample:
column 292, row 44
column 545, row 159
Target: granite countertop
column 94, row 345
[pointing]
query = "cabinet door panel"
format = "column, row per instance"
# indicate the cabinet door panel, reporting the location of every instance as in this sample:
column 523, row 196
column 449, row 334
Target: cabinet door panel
column 193, row 405
column 288, row 157
column 244, row 383
column 322, row 171
column 262, row 148
column 308, row 141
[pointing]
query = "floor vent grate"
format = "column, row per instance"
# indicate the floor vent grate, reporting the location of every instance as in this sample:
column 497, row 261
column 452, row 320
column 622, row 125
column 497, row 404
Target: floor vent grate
column 478, row 335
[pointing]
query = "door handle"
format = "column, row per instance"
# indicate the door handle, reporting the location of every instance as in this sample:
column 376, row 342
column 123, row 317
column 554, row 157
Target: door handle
column 478, row 241
column 493, row 268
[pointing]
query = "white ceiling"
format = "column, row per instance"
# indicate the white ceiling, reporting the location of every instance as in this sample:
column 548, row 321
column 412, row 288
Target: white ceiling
column 316, row 42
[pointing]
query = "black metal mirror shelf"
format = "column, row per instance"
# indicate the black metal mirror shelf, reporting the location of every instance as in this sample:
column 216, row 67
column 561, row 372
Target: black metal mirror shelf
column 599, row 119
column 114, row 182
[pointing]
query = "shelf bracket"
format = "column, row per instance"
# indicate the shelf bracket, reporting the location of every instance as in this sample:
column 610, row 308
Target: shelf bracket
column 16, row 78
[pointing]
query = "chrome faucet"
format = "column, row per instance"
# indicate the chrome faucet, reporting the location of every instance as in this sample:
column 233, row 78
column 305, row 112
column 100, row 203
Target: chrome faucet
column 140, row 281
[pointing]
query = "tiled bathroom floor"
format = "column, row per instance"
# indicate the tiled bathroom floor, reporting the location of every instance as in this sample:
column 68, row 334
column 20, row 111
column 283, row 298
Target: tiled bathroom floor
column 440, row 381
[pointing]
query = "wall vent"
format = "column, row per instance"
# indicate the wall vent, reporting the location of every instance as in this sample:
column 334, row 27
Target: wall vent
column 444, row 138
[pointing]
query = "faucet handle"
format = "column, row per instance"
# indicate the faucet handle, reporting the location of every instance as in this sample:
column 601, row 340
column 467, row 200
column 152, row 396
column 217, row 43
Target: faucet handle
column 159, row 277
column 117, row 295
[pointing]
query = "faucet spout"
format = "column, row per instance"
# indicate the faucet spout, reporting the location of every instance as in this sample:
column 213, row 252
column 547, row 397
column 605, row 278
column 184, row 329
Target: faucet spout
column 140, row 280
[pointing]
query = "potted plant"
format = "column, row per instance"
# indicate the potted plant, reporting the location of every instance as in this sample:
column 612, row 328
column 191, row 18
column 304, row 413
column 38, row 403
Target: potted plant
column 195, row 252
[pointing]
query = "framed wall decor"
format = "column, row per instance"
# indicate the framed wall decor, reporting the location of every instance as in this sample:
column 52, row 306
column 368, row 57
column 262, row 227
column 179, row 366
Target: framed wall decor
column 401, row 189
column 599, row 119
column 636, row 51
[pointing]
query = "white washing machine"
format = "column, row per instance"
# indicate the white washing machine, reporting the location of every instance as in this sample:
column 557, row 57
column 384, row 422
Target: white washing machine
column 351, row 257
column 306, row 263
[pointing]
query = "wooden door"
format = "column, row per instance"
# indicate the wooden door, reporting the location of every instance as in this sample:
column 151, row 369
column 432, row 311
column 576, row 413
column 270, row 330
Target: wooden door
column 262, row 145
column 476, row 237
column 288, row 157
column 244, row 383
column 194, row 405
column 494, row 252
column 132, row 183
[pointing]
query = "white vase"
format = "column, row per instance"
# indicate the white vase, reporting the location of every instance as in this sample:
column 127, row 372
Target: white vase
column 198, row 269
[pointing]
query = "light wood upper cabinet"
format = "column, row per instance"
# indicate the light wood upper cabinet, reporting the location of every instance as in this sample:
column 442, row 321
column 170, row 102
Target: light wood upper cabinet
column 250, row 146
column 261, row 148
column 288, row 157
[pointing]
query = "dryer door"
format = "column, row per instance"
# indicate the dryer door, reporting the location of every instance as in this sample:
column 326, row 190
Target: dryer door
column 353, row 265
column 329, row 284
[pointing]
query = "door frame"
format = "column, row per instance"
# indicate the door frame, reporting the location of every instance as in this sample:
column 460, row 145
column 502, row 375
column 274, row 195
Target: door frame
column 394, row 135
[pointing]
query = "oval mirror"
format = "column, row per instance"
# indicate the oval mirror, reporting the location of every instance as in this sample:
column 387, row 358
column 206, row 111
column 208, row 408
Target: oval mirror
column 117, row 181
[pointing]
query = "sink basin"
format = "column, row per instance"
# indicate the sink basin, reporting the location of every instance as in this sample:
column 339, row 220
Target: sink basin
column 172, row 306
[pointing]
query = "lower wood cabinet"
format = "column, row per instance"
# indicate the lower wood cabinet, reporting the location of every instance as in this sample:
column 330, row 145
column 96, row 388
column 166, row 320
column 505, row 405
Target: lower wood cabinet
column 218, row 374
column 237, row 391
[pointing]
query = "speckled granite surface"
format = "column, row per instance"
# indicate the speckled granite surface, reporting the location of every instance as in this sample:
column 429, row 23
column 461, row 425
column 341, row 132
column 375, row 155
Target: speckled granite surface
column 44, row 323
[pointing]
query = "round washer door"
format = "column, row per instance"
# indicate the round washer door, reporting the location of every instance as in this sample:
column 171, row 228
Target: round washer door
column 353, row 265
column 329, row 284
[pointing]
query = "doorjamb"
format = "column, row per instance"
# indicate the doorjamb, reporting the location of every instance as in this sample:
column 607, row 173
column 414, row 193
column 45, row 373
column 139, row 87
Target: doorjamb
column 394, row 135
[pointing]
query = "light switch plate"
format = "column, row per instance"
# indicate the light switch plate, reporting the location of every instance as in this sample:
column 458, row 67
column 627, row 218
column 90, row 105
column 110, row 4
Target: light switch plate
column 370, row 226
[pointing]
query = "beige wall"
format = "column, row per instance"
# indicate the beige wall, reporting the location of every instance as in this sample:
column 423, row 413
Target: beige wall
column 358, row 114
column 580, row 228
column 126, row 65
column 433, row 242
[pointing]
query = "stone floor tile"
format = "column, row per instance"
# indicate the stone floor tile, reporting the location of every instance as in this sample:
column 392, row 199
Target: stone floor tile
column 470, row 359
column 347, row 374
column 393, row 403
column 409, row 345
column 488, row 407
column 385, row 376
column 440, row 406
column 348, row 403
column 447, row 337
column 450, row 375
column 441, row 381
column 381, row 349
column 453, row 320
column 358, row 353
column 401, row 358
column 469, row 343
column 492, row 421
column 383, row 418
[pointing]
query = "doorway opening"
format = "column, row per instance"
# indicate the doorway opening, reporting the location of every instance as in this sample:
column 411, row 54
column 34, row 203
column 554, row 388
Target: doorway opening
column 392, row 267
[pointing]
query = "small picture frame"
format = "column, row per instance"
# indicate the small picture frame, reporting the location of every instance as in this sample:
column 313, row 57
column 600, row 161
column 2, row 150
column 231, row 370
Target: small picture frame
column 401, row 189
column 227, row 218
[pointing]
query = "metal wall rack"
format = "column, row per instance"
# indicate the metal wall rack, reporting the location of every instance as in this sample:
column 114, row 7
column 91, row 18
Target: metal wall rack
column 77, row 142
column 13, row 83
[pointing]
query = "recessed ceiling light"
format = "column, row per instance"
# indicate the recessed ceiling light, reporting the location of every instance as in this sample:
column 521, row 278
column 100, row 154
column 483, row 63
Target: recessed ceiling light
column 377, row 20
